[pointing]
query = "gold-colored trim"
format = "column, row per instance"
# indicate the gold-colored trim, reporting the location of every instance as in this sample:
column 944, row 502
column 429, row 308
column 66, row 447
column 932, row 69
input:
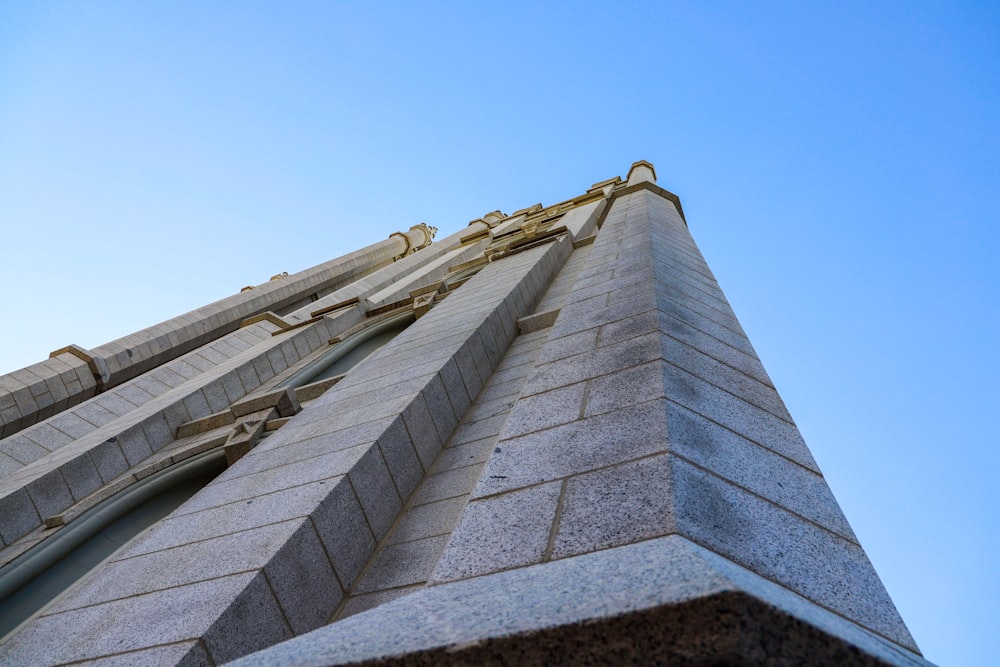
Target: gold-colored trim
column 337, row 306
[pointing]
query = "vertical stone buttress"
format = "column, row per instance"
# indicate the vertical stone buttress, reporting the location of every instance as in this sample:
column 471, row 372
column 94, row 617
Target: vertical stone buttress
column 645, row 496
column 74, row 374
column 649, row 496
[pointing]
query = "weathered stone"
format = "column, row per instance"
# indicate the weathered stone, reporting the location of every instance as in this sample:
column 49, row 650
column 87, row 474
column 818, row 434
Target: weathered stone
column 577, row 449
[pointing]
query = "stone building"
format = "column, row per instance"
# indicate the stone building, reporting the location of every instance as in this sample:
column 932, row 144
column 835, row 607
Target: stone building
column 542, row 439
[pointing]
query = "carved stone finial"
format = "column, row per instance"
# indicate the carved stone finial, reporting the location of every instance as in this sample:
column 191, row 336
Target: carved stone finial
column 641, row 171
column 428, row 231
column 493, row 218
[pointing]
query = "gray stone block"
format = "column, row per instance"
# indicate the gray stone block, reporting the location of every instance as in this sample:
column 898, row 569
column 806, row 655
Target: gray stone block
column 615, row 506
column 737, row 415
column 404, row 564
column 400, row 457
column 502, row 390
column 151, row 385
column 509, row 374
column 619, row 330
column 72, row 425
column 490, row 343
column 376, row 492
column 303, row 581
column 605, row 440
column 216, row 396
column 545, row 410
column 21, row 449
column 199, row 361
column 601, row 361
column 499, row 533
column 134, row 445
column 448, row 484
column 755, row 468
column 470, row 430
column 197, row 405
column 705, row 321
column 17, row 515
column 175, row 414
column 180, row 528
column 276, row 360
column 324, row 434
column 359, row 603
column 168, row 376
column 737, row 359
column 233, row 387
column 109, row 459
column 49, row 494
column 342, row 528
column 250, row 620
column 440, row 407
column 466, row 454
column 158, row 431
column 134, row 394
column 248, row 376
column 739, row 384
column 262, row 367
column 683, row 278
column 94, row 413
column 469, row 371
column 8, row 465
column 423, row 433
column 631, row 386
column 484, row 409
column 780, row 546
column 691, row 272
column 432, row 519
column 245, row 551
column 231, row 486
column 184, row 369
column 537, row 321
column 182, row 654
column 81, row 476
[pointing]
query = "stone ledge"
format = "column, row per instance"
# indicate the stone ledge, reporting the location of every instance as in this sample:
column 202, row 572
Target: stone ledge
column 98, row 366
column 537, row 321
column 208, row 423
column 314, row 390
column 284, row 400
column 268, row 316
column 645, row 185
column 664, row 601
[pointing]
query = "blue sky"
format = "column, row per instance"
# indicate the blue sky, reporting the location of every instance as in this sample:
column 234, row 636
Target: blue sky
column 838, row 164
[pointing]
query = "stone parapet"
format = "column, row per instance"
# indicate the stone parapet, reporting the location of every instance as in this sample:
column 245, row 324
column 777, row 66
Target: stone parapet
column 137, row 353
column 39, row 391
column 33, row 394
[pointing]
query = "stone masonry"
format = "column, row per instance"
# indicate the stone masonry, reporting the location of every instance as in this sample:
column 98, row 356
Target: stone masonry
column 565, row 450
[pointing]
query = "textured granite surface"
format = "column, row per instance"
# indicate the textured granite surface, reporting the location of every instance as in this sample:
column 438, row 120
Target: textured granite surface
column 663, row 601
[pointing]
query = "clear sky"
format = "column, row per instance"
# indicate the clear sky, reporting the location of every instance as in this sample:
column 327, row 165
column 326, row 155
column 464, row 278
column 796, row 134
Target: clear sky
column 838, row 163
